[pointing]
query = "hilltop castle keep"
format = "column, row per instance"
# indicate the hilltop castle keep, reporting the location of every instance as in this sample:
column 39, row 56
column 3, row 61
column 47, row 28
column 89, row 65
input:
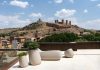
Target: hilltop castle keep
column 57, row 24
column 63, row 22
column 60, row 24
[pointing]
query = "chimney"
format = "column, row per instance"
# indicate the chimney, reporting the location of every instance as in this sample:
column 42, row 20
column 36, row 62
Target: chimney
column 62, row 21
column 69, row 22
column 66, row 22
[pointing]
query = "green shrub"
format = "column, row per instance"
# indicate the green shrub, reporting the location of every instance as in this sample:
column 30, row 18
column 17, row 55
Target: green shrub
column 92, row 37
column 81, row 40
column 70, row 37
column 22, row 54
column 31, row 45
column 89, row 37
column 62, row 37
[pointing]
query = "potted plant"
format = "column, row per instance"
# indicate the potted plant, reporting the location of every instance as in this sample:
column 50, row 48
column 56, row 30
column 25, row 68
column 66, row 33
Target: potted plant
column 34, row 54
column 23, row 61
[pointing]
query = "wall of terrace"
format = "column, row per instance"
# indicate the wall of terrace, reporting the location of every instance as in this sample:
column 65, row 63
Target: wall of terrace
column 48, row 46
column 64, row 45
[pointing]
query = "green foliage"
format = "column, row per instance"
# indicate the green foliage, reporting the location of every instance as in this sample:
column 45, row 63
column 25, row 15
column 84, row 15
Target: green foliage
column 22, row 33
column 4, row 34
column 81, row 40
column 97, row 36
column 70, row 37
column 31, row 26
column 92, row 37
column 31, row 45
column 89, row 37
column 91, row 31
column 22, row 54
column 62, row 37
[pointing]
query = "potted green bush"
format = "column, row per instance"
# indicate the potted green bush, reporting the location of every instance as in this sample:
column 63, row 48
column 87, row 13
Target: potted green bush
column 23, row 61
column 34, row 54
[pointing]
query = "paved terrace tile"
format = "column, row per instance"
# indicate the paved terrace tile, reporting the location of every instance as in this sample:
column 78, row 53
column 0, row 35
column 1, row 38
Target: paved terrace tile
column 82, row 60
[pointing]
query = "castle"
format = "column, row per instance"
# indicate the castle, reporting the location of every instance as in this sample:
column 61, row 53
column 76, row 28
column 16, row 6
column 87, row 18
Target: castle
column 41, row 28
column 57, row 24
column 62, row 22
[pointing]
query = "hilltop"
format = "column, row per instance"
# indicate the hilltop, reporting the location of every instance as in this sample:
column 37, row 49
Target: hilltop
column 7, row 30
column 48, row 28
column 42, row 28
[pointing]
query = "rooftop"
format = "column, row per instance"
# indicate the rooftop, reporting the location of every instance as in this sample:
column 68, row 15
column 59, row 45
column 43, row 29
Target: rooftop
column 84, row 59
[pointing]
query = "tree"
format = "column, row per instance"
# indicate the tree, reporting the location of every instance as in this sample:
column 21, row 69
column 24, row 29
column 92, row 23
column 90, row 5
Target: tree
column 62, row 37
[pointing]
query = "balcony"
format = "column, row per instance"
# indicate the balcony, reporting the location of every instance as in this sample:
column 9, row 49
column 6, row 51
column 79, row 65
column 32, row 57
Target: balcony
column 87, row 57
column 82, row 60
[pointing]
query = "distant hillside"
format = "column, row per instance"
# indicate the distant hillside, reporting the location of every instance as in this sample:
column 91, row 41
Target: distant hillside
column 31, row 26
column 7, row 30
column 47, row 28
column 56, row 27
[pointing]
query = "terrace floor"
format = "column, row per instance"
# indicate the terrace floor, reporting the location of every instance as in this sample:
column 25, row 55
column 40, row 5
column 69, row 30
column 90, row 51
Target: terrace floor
column 88, row 59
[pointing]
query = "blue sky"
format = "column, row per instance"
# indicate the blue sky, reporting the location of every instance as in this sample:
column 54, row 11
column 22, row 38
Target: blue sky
column 18, row 13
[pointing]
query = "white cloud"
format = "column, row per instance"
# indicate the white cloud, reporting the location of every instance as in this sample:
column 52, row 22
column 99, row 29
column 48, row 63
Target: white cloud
column 58, row 1
column 85, row 11
column 18, row 3
column 91, row 24
column 12, row 21
column 36, row 15
column 98, row 5
column 65, row 13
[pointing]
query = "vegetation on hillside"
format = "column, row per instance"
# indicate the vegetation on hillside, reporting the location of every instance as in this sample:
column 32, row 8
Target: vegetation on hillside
column 71, row 37
column 31, row 26
column 92, row 37
column 62, row 37
column 13, row 34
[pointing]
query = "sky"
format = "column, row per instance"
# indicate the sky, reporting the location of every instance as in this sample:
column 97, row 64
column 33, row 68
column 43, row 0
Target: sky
column 18, row 13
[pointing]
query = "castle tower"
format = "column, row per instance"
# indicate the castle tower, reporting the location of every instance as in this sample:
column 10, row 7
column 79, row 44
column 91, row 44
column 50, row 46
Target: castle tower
column 39, row 20
column 66, row 22
column 62, row 21
column 69, row 22
column 56, row 21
